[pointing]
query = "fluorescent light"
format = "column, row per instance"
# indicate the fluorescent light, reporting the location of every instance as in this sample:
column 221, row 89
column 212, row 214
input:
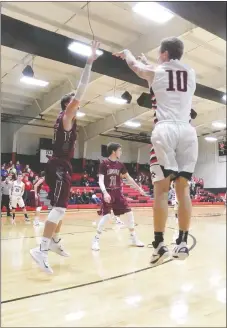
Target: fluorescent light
column 224, row 98
column 153, row 11
column 82, row 49
column 132, row 124
column 33, row 81
column 211, row 139
column 220, row 125
column 80, row 114
column 116, row 100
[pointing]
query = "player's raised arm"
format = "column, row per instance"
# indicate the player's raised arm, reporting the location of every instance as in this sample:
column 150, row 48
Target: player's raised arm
column 84, row 80
column 144, row 71
column 132, row 182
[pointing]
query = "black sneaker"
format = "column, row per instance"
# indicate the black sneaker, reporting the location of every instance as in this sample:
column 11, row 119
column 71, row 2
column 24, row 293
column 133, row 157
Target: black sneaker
column 159, row 255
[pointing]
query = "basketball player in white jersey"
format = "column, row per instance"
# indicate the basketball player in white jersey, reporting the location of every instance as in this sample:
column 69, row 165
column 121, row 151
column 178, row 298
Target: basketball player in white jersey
column 173, row 138
column 16, row 197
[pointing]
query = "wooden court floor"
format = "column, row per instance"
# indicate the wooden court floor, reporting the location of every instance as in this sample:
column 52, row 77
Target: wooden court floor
column 115, row 287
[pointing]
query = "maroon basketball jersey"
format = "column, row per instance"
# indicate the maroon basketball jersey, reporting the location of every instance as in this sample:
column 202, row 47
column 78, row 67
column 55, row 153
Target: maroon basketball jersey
column 112, row 173
column 64, row 141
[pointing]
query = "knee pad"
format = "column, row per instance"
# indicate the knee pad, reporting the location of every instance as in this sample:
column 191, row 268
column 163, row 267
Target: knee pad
column 56, row 214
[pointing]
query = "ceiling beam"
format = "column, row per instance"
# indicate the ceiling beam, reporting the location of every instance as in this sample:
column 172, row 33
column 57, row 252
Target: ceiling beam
column 47, row 44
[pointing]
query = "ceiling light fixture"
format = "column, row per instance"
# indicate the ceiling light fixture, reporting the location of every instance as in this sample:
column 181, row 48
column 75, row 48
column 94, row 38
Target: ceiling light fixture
column 219, row 125
column 82, row 49
column 80, row 114
column 211, row 139
column 32, row 81
column 116, row 100
column 224, row 98
column 133, row 124
column 153, row 11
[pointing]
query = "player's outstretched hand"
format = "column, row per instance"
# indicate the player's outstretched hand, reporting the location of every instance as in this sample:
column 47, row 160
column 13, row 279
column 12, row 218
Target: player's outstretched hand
column 142, row 58
column 120, row 54
column 94, row 47
column 107, row 198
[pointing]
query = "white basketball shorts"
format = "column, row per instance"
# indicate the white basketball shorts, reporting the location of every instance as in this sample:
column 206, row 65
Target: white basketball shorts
column 17, row 200
column 174, row 150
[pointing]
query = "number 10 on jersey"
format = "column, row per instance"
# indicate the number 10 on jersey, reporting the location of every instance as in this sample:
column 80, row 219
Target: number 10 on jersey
column 177, row 80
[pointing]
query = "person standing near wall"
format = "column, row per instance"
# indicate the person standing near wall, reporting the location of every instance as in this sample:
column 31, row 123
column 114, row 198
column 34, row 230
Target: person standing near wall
column 5, row 190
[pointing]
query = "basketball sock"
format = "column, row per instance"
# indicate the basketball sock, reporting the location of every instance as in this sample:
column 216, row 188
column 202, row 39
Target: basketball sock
column 158, row 238
column 131, row 221
column 26, row 216
column 132, row 233
column 176, row 215
column 45, row 243
column 13, row 216
column 102, row 222
column 183, row 237
column 56, row 237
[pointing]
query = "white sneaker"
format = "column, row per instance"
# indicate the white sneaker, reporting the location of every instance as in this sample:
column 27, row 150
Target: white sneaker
column 13, row 222
column 41, row 259
column 159, row 255
column 118, row 221
column 134, row 241
column 95, row 245
column 58, row 248
column 180, row 252
column 38, row 223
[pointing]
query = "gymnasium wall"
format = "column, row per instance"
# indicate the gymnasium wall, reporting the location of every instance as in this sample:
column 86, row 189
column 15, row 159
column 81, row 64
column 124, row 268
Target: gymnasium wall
column 210, row 166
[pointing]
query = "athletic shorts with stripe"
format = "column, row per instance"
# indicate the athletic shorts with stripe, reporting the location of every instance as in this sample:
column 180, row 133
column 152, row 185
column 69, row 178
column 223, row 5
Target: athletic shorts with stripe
column 58, row 178
column 174, row 150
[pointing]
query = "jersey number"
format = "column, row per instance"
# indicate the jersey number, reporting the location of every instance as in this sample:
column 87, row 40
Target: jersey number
column 181, row 81
column 17, row 190
column 113, row 181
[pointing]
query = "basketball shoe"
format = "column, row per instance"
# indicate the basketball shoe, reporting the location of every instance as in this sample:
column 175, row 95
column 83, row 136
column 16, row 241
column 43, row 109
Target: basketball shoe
column 134, row 241
column 41, row 258
column 160, row 254
column 180, row 252
column 57, row 248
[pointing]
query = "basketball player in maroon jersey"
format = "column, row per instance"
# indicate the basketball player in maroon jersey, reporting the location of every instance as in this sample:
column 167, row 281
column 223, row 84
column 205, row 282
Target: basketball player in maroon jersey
column 111, row 173
column 59, row 169
column 37, row 187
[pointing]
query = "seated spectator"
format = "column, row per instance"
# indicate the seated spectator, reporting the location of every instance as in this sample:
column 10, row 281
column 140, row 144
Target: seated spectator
column 18, row 167
column 95, row 199
column 84, row 180
column 8, row 166
column 78, row 198
column 27, row 169
column 85, row 197
column 4, row 172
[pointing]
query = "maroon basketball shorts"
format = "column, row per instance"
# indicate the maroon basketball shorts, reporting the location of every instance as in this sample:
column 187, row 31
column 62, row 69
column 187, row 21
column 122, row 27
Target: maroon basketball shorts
column 58, row 178
column 118, row 203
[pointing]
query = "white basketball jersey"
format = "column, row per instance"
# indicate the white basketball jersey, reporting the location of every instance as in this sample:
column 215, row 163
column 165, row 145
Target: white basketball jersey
column 17, row 188
column 174, row 85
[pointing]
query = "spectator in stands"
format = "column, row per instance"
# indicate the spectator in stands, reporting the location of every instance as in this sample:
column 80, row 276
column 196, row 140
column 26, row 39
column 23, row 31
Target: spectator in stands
column 85, row 197
column 84, row 180
column 36, row 178
column 4, row 172
column 27, row 190
column 78, row 197
column 18, row 167
column 9, row 165
column 5, row 191
column 27, row 169
column 31, row 176
column 95, row 199
column 12, row 170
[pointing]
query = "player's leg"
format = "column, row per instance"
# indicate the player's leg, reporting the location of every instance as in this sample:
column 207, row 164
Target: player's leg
column 59, row 184
column 105, row 216
column 163, row 166
column 120, row 207
column 187, row 153
column 22, row 206
column 13, row 204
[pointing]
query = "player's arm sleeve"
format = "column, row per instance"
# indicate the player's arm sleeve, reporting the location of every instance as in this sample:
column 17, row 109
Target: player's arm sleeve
column 80, row 91
column 146, row 72
column 102, row 184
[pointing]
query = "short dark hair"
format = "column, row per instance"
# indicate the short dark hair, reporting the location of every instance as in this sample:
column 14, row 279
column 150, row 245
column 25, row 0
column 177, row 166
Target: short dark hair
column 66, row 99
column 174, row 46
column 112, row 146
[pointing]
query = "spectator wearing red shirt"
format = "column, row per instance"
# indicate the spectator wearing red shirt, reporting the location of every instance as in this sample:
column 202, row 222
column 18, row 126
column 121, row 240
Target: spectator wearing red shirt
column 28, row 188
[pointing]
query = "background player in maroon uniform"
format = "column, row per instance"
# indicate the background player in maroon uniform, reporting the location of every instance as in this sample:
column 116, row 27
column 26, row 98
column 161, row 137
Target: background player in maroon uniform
column 111, row 173
column 37, row 188
column 59, row 170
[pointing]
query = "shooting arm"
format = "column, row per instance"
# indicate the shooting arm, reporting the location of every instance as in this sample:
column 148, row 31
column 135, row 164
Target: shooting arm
column 145, row 72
